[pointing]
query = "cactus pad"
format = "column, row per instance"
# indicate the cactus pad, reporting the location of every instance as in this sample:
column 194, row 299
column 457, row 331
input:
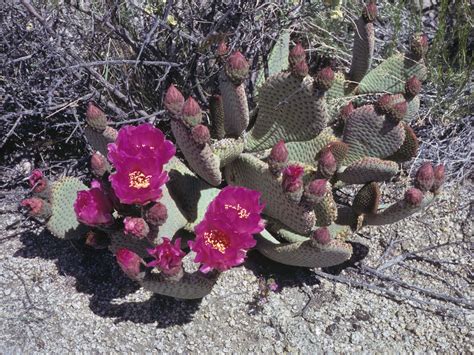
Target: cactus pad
column 390, row 75
column 236, row 109
column 304, row 254
column 289, row 110
column 200, row 157
column 100, row 140
column 63, row 223
column 368, row 169
column 227, row 149
column 306, row 151
column 370, row 134
column 252, row 173
column 190, row 286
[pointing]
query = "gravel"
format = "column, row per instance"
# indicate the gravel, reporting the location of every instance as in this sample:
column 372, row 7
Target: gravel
column 60, row 297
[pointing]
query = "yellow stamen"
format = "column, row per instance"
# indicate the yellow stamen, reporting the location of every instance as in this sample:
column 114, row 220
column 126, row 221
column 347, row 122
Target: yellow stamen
column 242, row 212
column 139, row 180
column 217, row 240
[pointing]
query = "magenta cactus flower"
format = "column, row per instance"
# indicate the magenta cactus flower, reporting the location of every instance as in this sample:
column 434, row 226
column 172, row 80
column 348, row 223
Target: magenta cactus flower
column 218, row 246
column 138, row 180
column 239, row 209
column 129, row 262
column 93, row 207
column 141, row 141
column 168, row 256
column 136, row 226
column 225, row 234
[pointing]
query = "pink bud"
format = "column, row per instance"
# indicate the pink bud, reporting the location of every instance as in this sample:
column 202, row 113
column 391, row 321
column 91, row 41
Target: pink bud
column 157, row 214
column 34, row 205
column 300, row 69
column 370, row 12
column 297, row 54
column 95, row 117
column 439, row 176
column 136, row 226
column 322, row 236
column 324, row 79
column 237, row 68
column 222, row 49
column 279, row 152
column 174, row 100
column 292, row 178
column 424, row 178
column 37, row 181
column 200, row 134
column 99, row 164
column 129, row 262
column 191, row 112
column 327, row 164
column 346, row 111
column 412, row 86
column 414, row 197
column 318, row 188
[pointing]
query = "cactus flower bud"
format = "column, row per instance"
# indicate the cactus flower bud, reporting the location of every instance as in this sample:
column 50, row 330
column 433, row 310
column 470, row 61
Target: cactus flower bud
column 278, row 158
column 174, row 100
column 370, row 12
column 393, row 106
column 279, row 152
column 157, row 214
column 439, row 176
column 398, row 111
column 200, row 134
column 97, row 240
column 95, row 117
column 38, row 182
column 300, row 69
column 412, row 87
column 222, row 49
column 136, row 226
column 237, row 68
column 99, row 165
column 314, row 192
column 346, row 111
column 424, row 177
column 37, row 207
column 129, row 262
column 297, row 54
column 324, row 79
column 327, row 164
column 292, row 178
column 419, row 45
column 191, row 112
column 414, row 197
column 321, row 236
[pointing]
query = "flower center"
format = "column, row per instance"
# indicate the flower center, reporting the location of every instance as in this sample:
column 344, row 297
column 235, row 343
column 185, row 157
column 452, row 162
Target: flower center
column 242, row 212
column 217, row 240
column 139, row 180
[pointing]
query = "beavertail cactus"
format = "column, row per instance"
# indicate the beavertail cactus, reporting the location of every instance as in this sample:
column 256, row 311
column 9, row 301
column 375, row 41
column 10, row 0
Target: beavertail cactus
column 270, row 185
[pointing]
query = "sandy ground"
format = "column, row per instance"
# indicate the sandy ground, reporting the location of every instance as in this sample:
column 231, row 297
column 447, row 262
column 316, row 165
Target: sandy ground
column 60, row 297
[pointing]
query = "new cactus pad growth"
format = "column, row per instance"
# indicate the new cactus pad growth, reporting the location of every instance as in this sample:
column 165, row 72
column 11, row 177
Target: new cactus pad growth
column 268, row 185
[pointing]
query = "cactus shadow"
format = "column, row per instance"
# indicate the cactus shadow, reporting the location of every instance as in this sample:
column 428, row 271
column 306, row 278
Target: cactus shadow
column 291, row 276
column 96, row 273
column 284, row 275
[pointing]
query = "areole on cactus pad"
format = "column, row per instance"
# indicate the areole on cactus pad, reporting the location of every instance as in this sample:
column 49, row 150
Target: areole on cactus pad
column 267, row 185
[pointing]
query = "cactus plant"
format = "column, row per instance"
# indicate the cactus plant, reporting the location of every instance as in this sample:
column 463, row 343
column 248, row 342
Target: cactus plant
column 282, row 169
